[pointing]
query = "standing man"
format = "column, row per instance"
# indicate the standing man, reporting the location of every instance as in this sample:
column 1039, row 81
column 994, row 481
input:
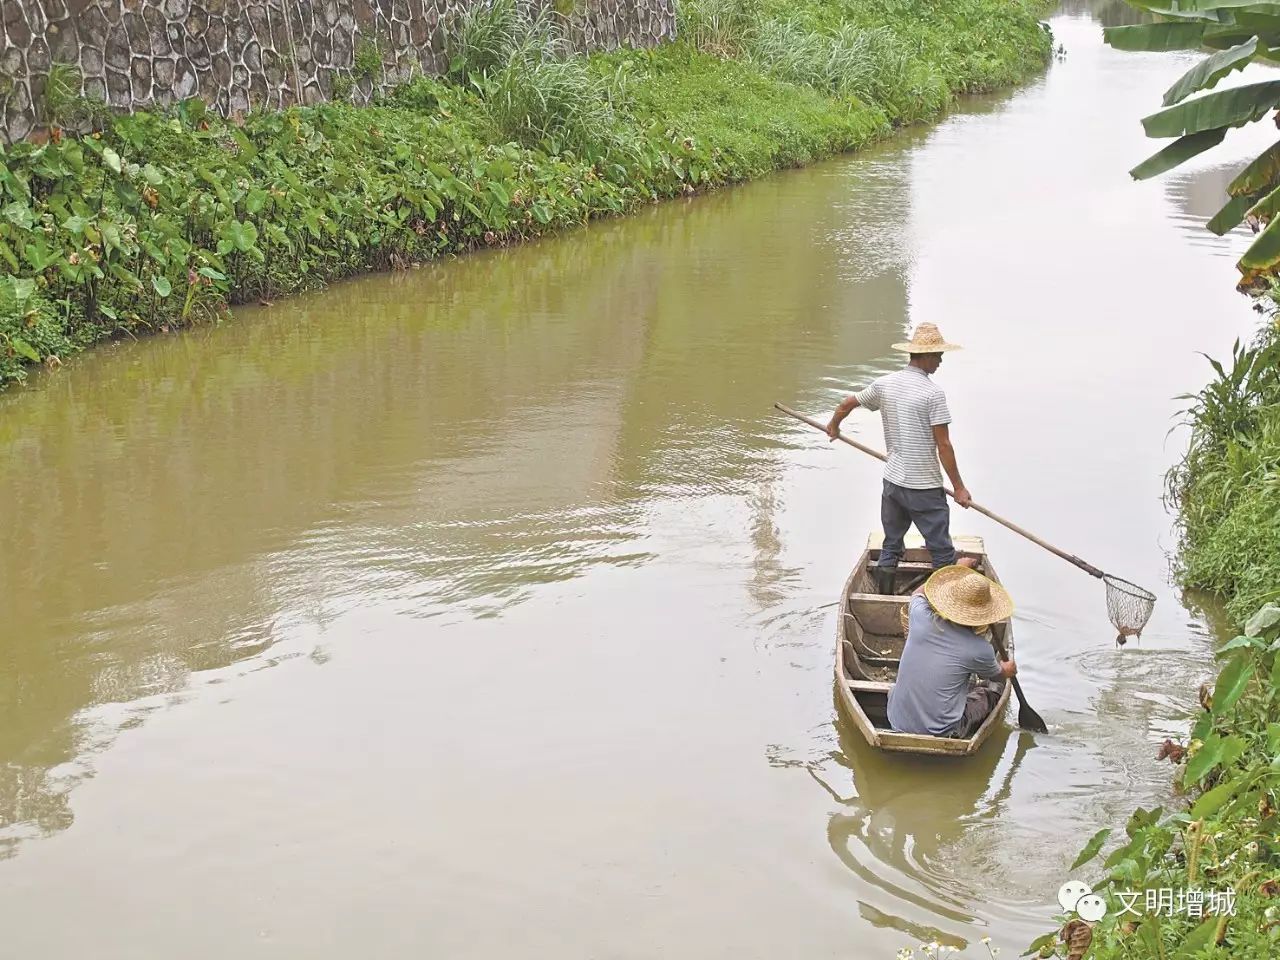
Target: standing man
column 916, row 419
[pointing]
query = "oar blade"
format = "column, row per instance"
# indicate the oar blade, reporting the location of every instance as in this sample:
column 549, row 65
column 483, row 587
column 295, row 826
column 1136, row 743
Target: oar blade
column 1028, row 719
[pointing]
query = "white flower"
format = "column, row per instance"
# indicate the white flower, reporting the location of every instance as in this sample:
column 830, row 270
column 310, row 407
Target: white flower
column 986, row 939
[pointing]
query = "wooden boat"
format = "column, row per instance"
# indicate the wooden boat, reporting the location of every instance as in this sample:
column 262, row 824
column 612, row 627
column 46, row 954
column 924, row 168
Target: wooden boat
column 869, row 641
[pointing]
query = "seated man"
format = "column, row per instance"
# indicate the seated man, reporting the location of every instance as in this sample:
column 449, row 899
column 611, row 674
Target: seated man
column 947, row 641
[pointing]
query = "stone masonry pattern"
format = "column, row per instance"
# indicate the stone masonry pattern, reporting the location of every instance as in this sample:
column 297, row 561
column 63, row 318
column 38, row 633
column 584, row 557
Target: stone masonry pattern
column 253, row 54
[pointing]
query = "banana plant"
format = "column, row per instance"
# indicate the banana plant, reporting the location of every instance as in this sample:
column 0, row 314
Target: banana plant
column 1196, row 118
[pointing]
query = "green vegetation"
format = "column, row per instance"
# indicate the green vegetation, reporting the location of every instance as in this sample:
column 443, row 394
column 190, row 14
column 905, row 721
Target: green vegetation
column 367, row 63
column 341, row 87
column 1227, row 487
column 1225, row 845
column 159, row 219
column 1223, row 848
column 1242, row 33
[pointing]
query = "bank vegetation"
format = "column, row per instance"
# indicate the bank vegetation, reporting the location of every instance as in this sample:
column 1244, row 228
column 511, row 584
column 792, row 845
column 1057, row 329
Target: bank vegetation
column 121, row 225
column 1201, row 879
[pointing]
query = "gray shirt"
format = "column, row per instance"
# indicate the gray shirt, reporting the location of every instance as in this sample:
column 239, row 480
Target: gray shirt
column 910, row 405
column 933, row 678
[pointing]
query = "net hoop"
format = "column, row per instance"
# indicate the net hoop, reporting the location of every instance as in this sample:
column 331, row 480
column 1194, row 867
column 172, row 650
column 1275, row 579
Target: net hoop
column 1129, row 606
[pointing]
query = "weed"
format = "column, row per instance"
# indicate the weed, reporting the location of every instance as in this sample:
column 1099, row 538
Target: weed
column 367, row 64
column 341, row 87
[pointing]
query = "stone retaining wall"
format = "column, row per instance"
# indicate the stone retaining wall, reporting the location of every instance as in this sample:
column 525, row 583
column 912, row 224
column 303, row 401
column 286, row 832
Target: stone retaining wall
column 243, row 54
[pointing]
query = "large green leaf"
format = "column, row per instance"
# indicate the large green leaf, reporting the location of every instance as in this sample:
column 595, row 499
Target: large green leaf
column 1262, row 20
column 21, row 288
column 1210, row 802
column 1264, row 252
column 1092, row 847
column 1263, row 620
column 1226, row 108
column 1266, row 208
column 1197, row 940
column 1207, row 757
column 1235, row 643
column 1182, row 149
column 1140, row 819
column 1210, row 70
column 1232, row 682
column 1259, row 174
column 1215, row 750
column 1156, row 37
column 237, row 235
column 1207, row 6
column 24, row 348
column 1039, row 943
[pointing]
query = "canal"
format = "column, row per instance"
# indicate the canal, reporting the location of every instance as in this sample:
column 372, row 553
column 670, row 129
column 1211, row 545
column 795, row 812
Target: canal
column 488, row 608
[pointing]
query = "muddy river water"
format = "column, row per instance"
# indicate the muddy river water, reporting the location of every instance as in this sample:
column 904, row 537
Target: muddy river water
column 487, row 609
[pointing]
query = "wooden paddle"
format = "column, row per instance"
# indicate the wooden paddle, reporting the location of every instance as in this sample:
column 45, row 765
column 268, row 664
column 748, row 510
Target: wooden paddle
column 1027, row 717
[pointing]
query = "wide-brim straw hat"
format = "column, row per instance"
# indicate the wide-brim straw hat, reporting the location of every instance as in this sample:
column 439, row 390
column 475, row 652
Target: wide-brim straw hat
column 926, row 338
column 966, row 597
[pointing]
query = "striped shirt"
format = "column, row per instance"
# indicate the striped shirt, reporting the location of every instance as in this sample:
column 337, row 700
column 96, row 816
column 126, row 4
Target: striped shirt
column 910, row 405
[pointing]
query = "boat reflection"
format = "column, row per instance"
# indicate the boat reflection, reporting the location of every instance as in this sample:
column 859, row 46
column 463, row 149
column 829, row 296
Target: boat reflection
column 901, row 826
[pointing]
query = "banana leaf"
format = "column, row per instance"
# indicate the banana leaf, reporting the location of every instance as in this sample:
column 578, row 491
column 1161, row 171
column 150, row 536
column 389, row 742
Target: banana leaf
column 1210, row 70
column 1156, row 37
column 1260, row 173
column 1226, row 108
column 1229, row 217
column 1265, row 26
column 1267, row 207
column 1188, row 7
column 1182, row 149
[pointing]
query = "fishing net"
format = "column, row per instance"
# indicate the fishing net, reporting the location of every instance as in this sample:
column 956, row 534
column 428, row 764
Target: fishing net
column 1128, row 605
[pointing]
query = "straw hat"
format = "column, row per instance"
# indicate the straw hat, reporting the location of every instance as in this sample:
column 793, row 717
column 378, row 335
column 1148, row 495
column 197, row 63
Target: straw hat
column 966, row 597
column 926, row 338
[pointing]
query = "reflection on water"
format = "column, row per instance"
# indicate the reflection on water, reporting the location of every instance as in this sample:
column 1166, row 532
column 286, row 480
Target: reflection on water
column 1108, row 13
column 497, row 586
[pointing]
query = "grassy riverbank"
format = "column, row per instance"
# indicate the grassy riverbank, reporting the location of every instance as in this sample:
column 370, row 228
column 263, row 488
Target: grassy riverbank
column 1215, row 857
column 1227, row 488
column 1203, row 880
column 156, row 220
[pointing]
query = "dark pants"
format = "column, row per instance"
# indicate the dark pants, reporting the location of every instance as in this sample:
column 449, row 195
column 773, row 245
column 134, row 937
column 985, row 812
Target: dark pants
column 976, row 707
column 928, row 510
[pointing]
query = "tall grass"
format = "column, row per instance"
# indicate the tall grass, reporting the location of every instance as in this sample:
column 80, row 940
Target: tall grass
column 874, row 65
column 721, row 28
column 536, row 92
column 1227, row 486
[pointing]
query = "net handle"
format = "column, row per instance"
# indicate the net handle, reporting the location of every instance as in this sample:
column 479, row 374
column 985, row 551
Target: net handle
column 973, row 505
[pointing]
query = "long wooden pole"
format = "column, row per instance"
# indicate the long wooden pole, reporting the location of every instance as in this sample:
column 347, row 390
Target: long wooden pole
column 973, row 505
